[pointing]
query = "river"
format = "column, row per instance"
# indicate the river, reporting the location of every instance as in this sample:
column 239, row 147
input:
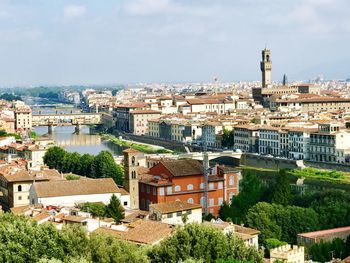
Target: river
column 64, row 136
column 84, row 142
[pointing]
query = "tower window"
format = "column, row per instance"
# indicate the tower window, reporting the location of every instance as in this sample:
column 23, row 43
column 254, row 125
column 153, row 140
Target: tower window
column 19, row 188
column 133, row 160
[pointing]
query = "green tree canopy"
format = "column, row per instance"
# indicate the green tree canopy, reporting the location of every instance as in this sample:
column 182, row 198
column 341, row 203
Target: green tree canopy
column 114, row 209
column 54, row 157
column 104, row 166
column 200, row 242
column 280, row 222
column 282, row 193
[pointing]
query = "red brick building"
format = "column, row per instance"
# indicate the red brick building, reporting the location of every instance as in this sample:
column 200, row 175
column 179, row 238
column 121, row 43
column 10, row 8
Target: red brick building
column 183, row 180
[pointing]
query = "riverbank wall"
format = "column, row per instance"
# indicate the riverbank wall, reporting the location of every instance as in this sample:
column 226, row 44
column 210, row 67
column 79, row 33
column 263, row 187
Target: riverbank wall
column 265, row 162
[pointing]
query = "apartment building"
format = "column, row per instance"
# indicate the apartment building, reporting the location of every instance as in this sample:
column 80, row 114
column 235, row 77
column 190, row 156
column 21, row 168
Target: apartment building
column 331, row 143
column 183, row 180
column 298, row 143
column 23, row 118
column 246, row 138
column 210, row 132
column 139, row 120
column 122, row 115
column 269, row 141
column 219, row 106
column 311, row 103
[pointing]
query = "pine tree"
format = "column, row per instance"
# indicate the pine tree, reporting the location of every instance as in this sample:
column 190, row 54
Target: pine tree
column 282, row 192
column 114, row 209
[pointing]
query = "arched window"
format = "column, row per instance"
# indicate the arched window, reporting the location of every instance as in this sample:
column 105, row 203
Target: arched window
column 177, row 188
column 190, row 200
column 133, row 175
column 133, row 160
column 190, row 187
column 231, row 180
column 19, row 188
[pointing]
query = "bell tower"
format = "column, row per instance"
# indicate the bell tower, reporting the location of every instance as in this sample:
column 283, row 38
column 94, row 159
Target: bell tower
column 266, row 67
column 131, row 178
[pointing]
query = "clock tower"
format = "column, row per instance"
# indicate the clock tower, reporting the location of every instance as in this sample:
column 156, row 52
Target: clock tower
column 266, row 67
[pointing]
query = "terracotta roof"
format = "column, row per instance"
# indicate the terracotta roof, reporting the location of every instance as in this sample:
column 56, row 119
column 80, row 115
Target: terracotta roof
column 77, row 219
column 321, row 233
column 130, row 150
column 41, row 216
column 142, row 232
column 183, row 167
column 176, row 206
column 19, row 210
column 75, row 187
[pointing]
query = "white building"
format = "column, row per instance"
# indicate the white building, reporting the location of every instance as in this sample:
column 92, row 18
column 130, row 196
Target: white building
column 173, row 213
column 287, row 253
column 269, row 141
column 72, row 192
column 298, row 143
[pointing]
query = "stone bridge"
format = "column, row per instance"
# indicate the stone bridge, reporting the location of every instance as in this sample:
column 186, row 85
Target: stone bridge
column 211, row 155
column 64, row 119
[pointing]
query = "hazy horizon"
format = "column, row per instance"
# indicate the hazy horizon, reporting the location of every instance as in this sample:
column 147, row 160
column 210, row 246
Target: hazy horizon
column 143, row 41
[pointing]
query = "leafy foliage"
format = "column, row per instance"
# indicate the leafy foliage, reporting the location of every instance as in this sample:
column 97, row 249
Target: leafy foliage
column 251, row 192
column 95, row 209
column 322, row 252
column 23, row 240
column 5, row 134
column 227, row 138
column 200, row 242
column 99, row 166
column 280, row 222
column 114, row 209
column 282, row 193
column 9, row 97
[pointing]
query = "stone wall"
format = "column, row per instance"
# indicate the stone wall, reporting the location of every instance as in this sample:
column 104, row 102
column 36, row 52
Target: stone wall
column 328, row 166
column 269, row 162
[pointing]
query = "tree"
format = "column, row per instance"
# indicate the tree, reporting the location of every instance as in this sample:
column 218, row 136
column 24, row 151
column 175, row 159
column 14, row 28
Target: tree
column 106, row 248
column 85, row 165
column 201, row 242
column 54, row 157
column 104, row 166
column 95, row 209
column 282, row 192
column 227, row 138
column 251, row 193
column 282, row 223
column 114, row 209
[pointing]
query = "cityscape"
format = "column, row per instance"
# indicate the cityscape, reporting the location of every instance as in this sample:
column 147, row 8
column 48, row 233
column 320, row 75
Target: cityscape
column 233, row 160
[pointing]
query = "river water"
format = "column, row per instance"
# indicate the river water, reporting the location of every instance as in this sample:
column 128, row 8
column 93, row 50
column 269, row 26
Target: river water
column 65, row 136
column 84, row 142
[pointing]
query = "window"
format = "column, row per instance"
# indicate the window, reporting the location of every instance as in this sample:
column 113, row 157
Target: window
column 190, row 200
column 211, row 202
column 148, row 189
column 161, row 191
column 125, row 203
column 133, row 175
column 220, row 201
column 19, row 197
column 19, row 188
column 142, row 203
column 201, row 186
column 220, row 185
column 211, row 186
column 169, row 190
column 142, row 188
column 179, row 213
column 154, row 190
column 177, row 188
column 169, row 215
column 190, row 187
column 231, row 180
column 133, row 160
column 232, row 195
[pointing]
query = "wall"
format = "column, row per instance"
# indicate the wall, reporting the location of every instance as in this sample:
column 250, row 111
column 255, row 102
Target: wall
column 329, row 166
column 269, row 162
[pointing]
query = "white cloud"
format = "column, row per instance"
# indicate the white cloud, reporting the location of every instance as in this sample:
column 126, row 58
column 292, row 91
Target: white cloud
column 74, row 11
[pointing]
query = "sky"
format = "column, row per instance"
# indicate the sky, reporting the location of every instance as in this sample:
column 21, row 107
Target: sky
column 68, row 42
